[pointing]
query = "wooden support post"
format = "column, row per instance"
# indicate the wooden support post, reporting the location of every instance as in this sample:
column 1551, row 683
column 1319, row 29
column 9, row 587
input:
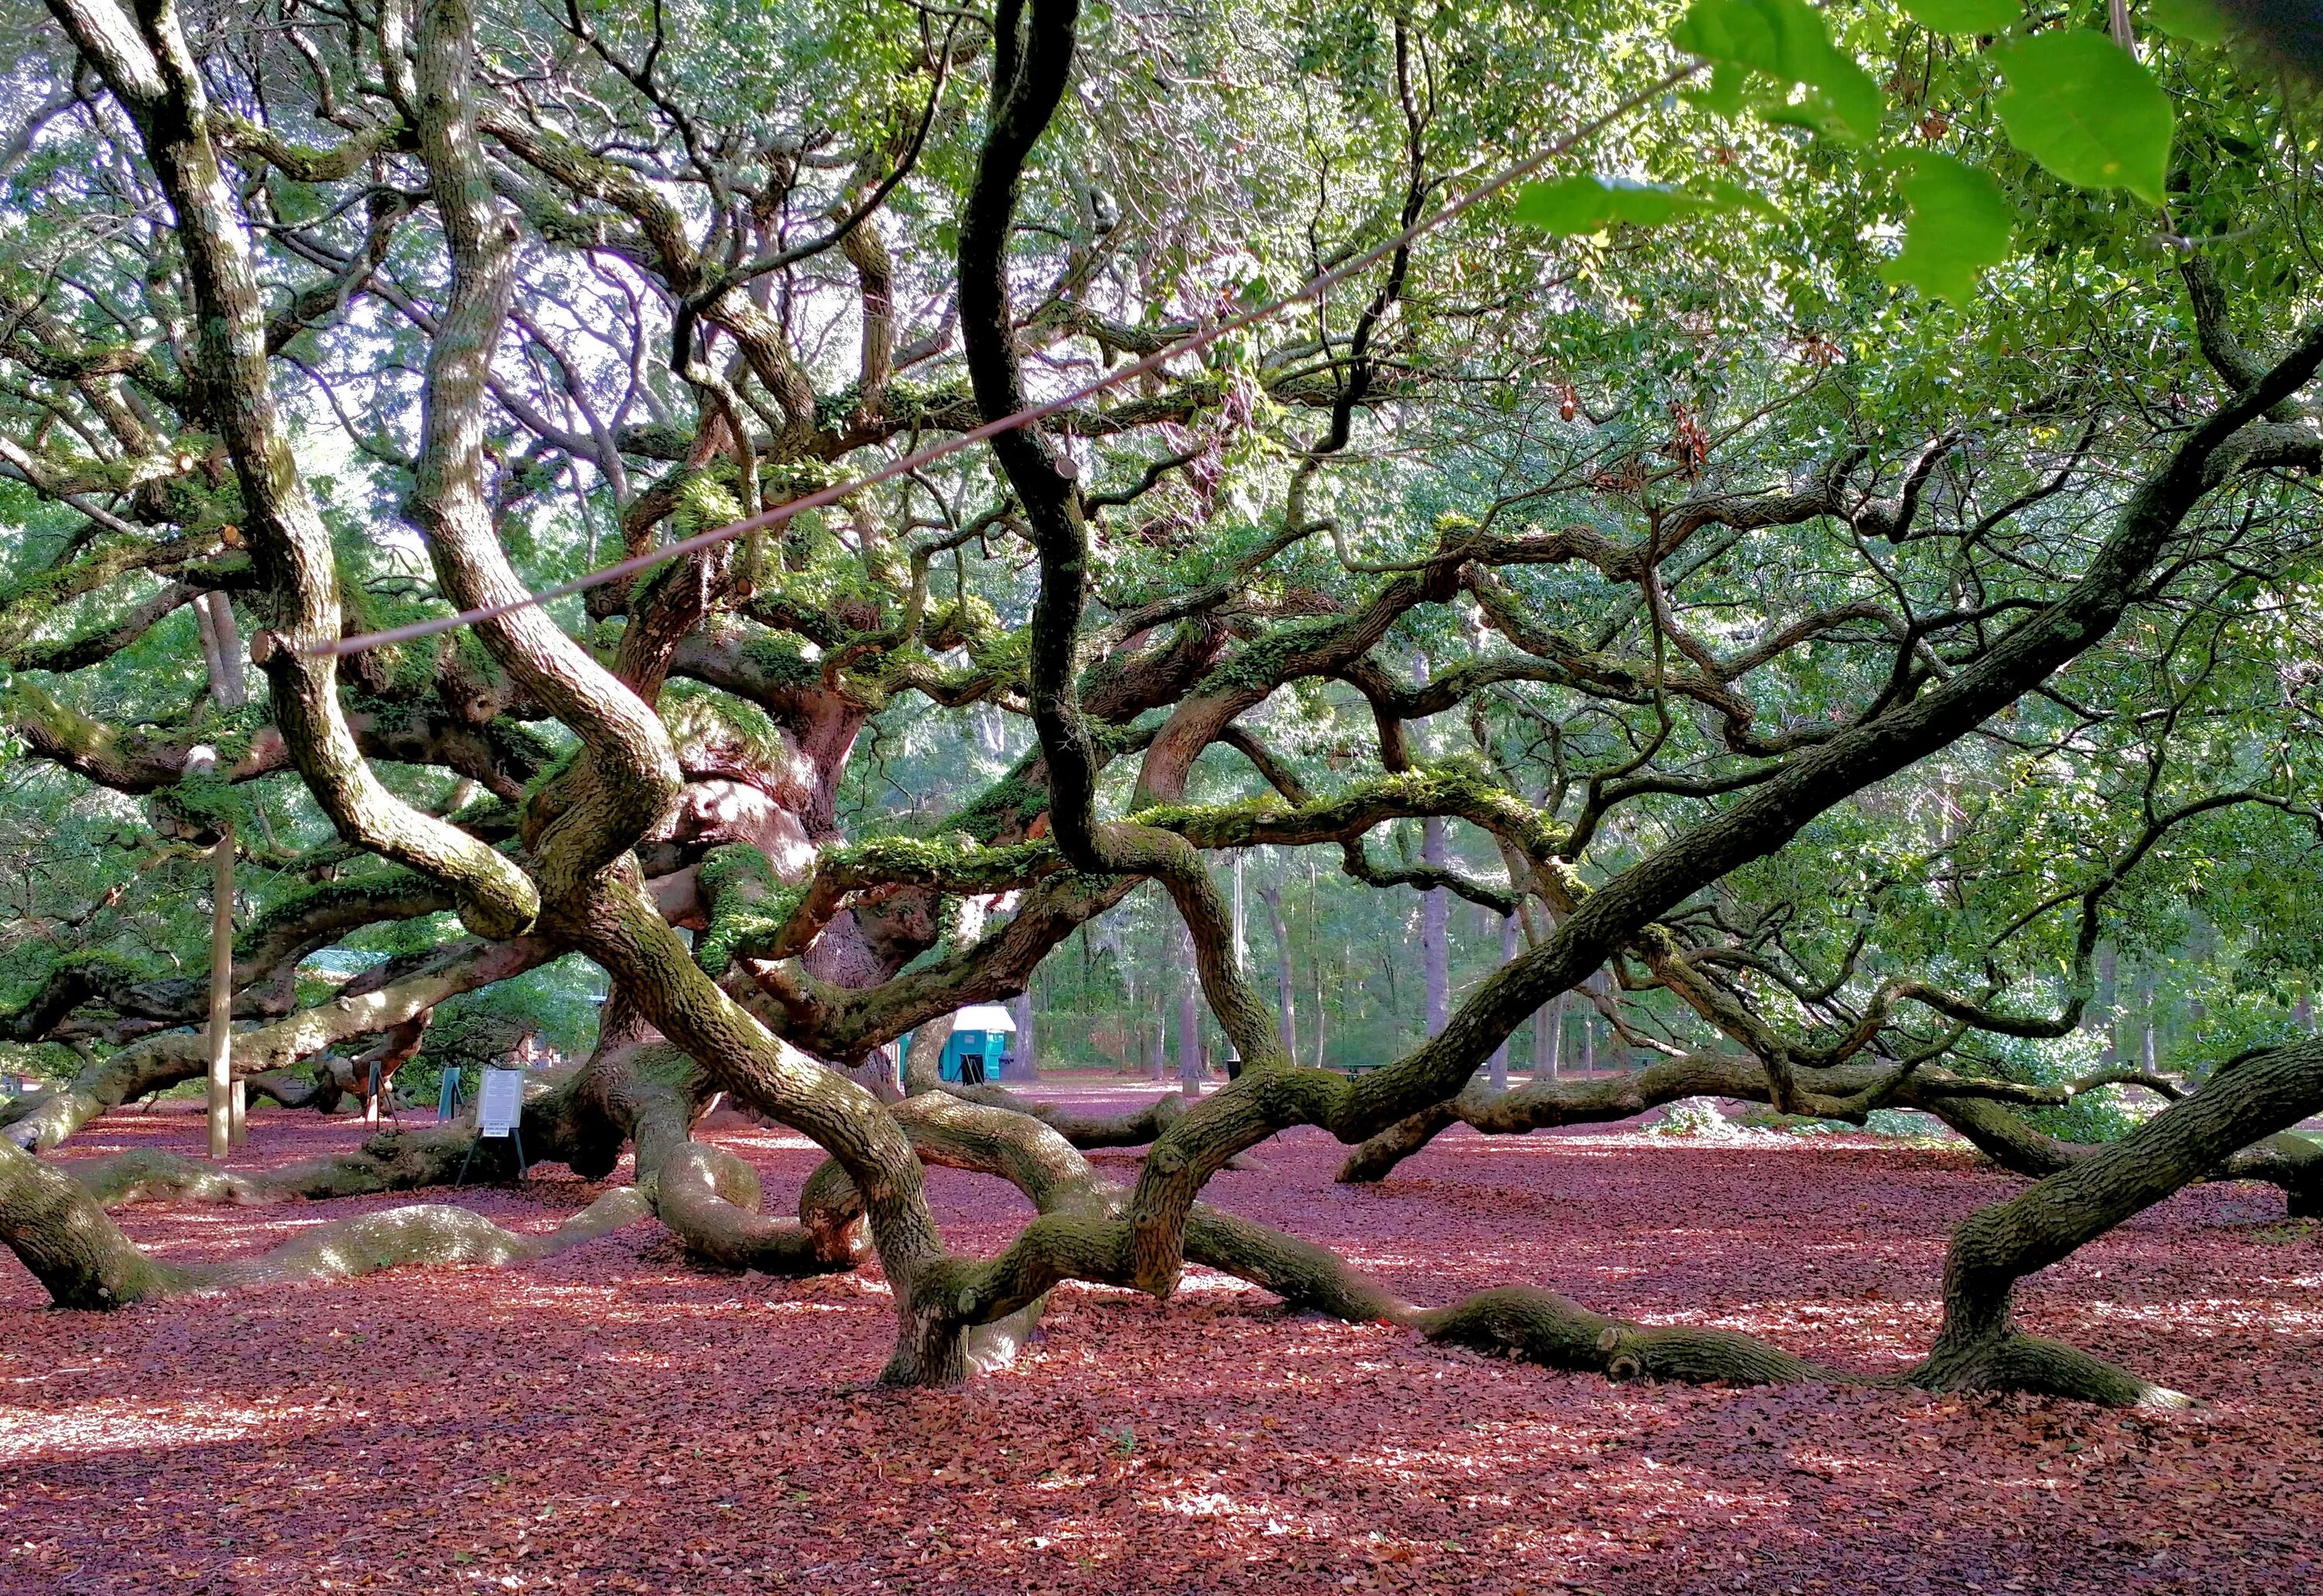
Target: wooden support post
column 222, row 655
column 223, row 1088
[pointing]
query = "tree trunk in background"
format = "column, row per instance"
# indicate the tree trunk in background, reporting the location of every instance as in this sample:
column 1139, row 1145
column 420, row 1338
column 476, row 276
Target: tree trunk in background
column 213, row 660
column 1240, row 917
column 1500, row 1065
column 2101, row 1012
column 1272, row 896
column 1434, row 928
column 1548, row 1041
column 1189, row 1033
column 228, row 683
column 2203, row 947
column 1154, row 1036
column 1588, row 1031
column 1028, row 1061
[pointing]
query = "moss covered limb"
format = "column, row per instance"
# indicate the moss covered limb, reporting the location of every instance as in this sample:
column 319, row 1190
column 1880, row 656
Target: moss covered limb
column 162, row 1061
column 1377, row 1159
column 708, row 1197
column 1134, row 1127
column 146, row 1175
column 2001, row 1136
column 2290, row 1161
column 502, row 757
column 2012, row 1361
column 425, row 1234
column 993, row 967
column 1453, row 789
column 135, row 760
column 1582, row 1100
column 755, row 914
column 70, row 982
column 266, row 958
column 150, row 1066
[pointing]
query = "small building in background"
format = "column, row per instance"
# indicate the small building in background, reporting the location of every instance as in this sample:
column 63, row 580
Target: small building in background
column 983, row 1045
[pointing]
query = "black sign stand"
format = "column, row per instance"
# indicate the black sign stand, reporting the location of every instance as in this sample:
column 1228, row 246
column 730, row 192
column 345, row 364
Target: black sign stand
column 378, row 1085
column 515, row 1135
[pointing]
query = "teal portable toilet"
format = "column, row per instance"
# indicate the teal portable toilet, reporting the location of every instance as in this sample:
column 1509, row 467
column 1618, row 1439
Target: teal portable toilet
column 982, row 1036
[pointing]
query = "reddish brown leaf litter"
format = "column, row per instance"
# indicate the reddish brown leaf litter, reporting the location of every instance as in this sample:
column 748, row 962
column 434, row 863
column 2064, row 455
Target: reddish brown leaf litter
column 613, row 1420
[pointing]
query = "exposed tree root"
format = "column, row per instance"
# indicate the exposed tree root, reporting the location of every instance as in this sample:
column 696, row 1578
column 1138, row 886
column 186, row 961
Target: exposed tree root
column 648, row 1096
column 57, row 1229
column 146, row 1175
column 2015, row 1362
column 1082, row 1233
column 1082, row 1236
column 1558, row 1332
column 426, row 1232
column 974, row 1314
column 1993, row 1248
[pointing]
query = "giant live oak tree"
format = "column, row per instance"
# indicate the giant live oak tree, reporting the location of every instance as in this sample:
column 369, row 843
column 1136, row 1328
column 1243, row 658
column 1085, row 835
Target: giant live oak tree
column 1841, row 645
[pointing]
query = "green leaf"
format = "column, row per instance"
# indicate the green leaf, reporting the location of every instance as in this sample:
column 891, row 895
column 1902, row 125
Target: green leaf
column 2082, row 106
column 1786, row 40
column 2197, row 22
column 1966, row 16
column 1589, row 203
column 1960, row 225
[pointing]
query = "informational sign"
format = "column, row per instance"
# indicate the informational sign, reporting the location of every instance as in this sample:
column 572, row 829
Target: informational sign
column 499, row 1103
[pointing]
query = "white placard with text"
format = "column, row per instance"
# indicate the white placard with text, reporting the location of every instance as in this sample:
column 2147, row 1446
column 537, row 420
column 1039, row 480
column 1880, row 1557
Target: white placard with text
column 500, row 1104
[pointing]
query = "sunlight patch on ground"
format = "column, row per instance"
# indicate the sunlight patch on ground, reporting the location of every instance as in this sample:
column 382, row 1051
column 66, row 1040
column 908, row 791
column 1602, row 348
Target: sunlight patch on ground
column 27, row 1433
column 1203, row 1279
column 2209, row 1316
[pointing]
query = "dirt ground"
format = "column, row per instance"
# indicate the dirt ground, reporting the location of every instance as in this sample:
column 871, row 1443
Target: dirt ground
column 613, row 1420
